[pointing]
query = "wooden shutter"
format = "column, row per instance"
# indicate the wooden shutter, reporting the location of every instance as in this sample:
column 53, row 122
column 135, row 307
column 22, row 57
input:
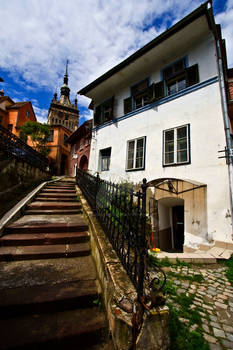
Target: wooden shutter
column 97, row 115
column 159, row 90
column 128, row 105
column 192, row 75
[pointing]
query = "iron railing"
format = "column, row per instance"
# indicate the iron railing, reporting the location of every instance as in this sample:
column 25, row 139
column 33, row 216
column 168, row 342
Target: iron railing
column 13, row 146
column 122, row 215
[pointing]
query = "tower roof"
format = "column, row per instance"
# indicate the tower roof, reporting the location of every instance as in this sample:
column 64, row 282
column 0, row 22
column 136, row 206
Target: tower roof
column 65, row 90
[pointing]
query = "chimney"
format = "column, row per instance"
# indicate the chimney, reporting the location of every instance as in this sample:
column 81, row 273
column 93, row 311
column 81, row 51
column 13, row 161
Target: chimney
column 1, row 92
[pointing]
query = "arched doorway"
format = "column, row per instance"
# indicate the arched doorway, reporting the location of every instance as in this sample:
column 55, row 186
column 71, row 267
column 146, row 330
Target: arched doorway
column 181, row 212
column 83, row 164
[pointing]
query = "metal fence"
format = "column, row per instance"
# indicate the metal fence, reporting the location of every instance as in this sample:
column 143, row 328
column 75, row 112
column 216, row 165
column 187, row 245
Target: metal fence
column 122, row 215
column 13, row 146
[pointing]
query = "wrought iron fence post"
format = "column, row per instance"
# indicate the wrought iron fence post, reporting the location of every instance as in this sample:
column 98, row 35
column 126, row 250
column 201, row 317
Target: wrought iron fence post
column 142, row 240
column 96, row 189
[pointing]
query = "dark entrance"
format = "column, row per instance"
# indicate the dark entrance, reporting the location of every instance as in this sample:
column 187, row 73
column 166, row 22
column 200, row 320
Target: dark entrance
column 63, row 164
column 178, row 226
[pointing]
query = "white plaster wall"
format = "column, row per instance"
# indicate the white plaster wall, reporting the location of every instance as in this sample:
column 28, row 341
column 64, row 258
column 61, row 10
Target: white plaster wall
column 202, row 52
column 202, row 110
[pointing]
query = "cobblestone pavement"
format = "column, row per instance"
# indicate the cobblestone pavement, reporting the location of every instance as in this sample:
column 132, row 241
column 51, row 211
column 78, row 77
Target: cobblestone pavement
column 214, row 297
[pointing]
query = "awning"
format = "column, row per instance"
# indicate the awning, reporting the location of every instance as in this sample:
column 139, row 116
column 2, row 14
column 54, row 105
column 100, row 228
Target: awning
column 170, row 184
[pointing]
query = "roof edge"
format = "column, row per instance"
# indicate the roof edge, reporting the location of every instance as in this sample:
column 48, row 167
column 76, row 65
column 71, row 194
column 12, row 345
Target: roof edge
column 203, row 9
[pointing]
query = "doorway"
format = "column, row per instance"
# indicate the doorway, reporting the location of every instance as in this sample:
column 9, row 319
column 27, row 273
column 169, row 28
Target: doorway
column 63, row 166
column 171, row 224
column 178, row 227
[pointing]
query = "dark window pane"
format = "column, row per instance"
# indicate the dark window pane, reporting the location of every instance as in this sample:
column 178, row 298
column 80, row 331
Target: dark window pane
column 181, row 132
column 182, row 156
column 169, row 158
column 169, row 135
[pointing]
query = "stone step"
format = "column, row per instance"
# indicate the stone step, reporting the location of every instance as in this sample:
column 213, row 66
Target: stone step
column 44, row 251
column 27, row 239
column 76, row 329
column 49, row 205
column 58, row 195
column 57, row 199
column 48, row 298
column 68, row 187
column 48, row 190
column 45, row 227
column 52, row 211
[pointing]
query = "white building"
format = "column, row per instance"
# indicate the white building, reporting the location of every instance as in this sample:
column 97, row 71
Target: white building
column 161, row 115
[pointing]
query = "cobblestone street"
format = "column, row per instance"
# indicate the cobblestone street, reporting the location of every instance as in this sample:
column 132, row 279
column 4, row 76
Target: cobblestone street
column 212, row 299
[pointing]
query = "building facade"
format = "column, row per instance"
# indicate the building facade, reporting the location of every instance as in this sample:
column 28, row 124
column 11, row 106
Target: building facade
column 80, row 142
column 161, row 115
column 14, row 114
column 59, row 155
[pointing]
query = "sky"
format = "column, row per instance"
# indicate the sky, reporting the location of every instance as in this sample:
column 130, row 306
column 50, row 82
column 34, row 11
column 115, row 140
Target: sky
column 37, row 38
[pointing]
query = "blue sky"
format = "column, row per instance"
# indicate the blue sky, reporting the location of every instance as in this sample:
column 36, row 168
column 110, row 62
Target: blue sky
column 37, row 37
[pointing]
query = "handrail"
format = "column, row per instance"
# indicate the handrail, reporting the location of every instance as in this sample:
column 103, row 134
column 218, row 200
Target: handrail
column 13, row 146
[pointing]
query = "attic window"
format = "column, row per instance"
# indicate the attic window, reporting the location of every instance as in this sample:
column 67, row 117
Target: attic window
column 27, row 114
column 177, row 77
column 104, row 112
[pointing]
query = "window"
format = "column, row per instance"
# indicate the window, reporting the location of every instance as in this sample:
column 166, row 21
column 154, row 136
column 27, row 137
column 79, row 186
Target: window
column 136, row 154
column 177, row 77
column 28, row 114
column 104, row 112
column 60, row 114
column 81, row 145
column 105, row 156
column 51, row 135
column 65, row 138
column 176, row 146
column 10, row 127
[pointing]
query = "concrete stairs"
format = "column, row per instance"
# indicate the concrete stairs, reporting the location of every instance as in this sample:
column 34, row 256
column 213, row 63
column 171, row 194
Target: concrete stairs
column 49, row 287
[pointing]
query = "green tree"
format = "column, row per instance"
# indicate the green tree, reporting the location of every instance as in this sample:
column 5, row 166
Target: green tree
column 39, row 134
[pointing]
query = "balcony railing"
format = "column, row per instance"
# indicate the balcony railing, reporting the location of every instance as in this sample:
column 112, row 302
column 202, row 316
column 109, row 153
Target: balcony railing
column 13, row 146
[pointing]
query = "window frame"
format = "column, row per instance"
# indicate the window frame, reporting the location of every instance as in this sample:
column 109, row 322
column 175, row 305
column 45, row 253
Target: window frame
column 134, row 154
column 175, row 151
column 103, row 157
column 51, row 136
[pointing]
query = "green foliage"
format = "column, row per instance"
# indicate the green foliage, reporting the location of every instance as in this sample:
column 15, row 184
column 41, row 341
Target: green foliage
column 39, row 134
column 195, row 278
column 181, row 337
column 229, row 273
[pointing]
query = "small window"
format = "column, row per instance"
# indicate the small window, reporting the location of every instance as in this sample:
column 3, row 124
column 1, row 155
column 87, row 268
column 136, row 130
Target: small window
column 81, row 145
column 104, row 112
column 177, row 77
column 60, row 114
column 28, row 114
column 65, row 138
column 105, row 156
column 136, row 154
column 10, row 127
column 176, row 146
column 51, row 135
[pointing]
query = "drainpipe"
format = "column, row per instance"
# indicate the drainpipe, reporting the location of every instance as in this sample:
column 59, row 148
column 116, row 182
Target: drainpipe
column 225, row 119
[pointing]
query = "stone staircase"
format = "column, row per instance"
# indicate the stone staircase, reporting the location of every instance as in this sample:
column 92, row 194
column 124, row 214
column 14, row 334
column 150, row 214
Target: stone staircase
column 49, row 292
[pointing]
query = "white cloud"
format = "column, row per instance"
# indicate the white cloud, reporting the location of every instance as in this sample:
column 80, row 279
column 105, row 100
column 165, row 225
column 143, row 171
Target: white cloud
column 226, row 20
column 41, row 114
column 38, row 36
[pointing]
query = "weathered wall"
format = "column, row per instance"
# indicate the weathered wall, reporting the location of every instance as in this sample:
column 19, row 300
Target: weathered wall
column 15, row 173
column 120, row 296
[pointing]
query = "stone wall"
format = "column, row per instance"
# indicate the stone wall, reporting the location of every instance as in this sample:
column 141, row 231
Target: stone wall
column 16, row 175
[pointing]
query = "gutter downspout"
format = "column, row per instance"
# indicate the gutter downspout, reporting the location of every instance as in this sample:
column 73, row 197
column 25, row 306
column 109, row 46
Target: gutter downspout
column 225, row 118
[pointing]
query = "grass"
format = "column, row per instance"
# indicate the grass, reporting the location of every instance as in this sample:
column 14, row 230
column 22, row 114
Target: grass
column 185, row 324
column 195, row 278
column 229, row 273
